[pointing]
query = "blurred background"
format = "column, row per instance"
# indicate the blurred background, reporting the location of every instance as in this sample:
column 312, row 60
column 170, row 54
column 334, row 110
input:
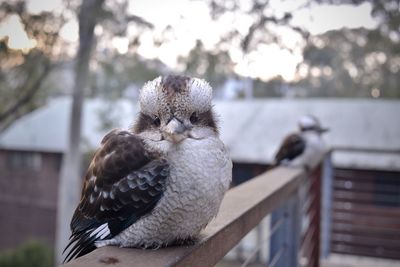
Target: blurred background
column 72, row 70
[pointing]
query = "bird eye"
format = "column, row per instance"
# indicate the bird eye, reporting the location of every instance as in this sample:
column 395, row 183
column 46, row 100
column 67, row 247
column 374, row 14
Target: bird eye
column 157, row 121
column 194, row 118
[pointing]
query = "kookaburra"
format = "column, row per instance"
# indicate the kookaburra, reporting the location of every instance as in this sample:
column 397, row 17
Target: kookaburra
column 303, row 149
column 159, row 183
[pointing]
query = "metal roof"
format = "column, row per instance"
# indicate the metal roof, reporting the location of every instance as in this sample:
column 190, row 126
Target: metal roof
column 252, row 130
column 47, row 128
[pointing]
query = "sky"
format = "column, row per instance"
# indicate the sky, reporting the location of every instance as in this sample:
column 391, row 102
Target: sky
column 191, row 20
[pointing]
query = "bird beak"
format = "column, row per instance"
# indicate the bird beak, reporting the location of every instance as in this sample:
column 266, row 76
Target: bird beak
column 175, row 131
column 322, row 130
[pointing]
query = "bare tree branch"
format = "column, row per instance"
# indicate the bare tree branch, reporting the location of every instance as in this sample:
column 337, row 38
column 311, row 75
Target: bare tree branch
column 27, row 95
column 139, row 20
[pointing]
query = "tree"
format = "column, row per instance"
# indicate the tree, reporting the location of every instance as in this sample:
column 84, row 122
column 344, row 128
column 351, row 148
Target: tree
column 23, row 72
column 115, row 19
column 351, row 63
column 70, row 179
column 214, row 66
column 26, row 74
column 348, row 63
column 265, row 22
column 357, row 62
column 117, row 72
column 265, row 28
column 387, row 12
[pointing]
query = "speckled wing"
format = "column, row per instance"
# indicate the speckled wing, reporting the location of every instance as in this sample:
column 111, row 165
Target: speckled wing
column 292, row 146
column 123, row 183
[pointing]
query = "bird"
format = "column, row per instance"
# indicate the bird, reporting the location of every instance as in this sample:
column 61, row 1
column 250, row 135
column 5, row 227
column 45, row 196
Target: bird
column 304, row 148
column 160, row 182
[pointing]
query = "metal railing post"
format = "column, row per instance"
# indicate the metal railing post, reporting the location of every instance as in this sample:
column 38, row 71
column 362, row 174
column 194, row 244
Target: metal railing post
column 285, row 241
column 278, row 246
column 326, row 207
column 294, row 231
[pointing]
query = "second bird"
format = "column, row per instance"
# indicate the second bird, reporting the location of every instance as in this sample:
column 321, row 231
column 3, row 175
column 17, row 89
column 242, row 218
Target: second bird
column 303, row 149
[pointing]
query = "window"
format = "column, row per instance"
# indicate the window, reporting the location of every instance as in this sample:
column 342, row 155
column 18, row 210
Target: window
column 18, row 160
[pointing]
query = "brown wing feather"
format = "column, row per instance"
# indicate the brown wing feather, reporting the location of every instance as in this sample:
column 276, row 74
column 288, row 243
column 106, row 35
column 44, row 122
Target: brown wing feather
column 123, row 183
column 292, row 146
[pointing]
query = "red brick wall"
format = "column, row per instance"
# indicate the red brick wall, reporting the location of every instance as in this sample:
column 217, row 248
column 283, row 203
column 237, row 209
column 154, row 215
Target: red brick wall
column 28, row 200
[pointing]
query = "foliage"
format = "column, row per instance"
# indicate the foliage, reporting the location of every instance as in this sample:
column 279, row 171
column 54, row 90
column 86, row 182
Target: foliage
column 26, row 75
column 338, row 58
column 387, row 12
column 117, row 72
column 357, row 62
column 24, row 71
column 214, row 66
column 272, row 88
column 32, row 254
column 265, row 25
column 342, row 63
column 352, row 63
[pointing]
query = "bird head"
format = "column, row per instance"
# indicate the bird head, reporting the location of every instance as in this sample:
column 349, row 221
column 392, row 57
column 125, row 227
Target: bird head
column 174, row 108
column 311, row 123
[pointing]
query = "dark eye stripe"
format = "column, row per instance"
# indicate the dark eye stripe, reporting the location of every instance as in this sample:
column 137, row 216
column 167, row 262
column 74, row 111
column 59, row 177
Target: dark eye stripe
column 144, row 123
column 157, row 121
column 207, row 119
column 194, row 118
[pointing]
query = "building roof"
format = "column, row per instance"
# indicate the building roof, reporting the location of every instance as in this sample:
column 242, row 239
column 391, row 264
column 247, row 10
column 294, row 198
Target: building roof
column 47, row 128
column 252, row 130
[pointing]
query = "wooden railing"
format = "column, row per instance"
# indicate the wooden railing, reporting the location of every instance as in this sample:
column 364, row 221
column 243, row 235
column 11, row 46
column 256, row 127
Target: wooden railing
column 292, row 195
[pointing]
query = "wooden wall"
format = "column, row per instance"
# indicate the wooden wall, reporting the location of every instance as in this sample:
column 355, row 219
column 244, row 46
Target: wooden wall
column 366, row 213
column 28, row 199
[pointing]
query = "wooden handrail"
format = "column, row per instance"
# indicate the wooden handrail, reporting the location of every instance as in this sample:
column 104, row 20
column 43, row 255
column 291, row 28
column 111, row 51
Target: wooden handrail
column 242, row 209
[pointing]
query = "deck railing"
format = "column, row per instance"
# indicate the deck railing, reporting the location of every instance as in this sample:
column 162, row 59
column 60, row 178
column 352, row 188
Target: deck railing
column 291, row 195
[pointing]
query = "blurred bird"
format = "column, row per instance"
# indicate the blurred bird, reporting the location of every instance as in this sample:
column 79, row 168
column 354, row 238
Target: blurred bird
column 159, row 183
column 303, row 149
